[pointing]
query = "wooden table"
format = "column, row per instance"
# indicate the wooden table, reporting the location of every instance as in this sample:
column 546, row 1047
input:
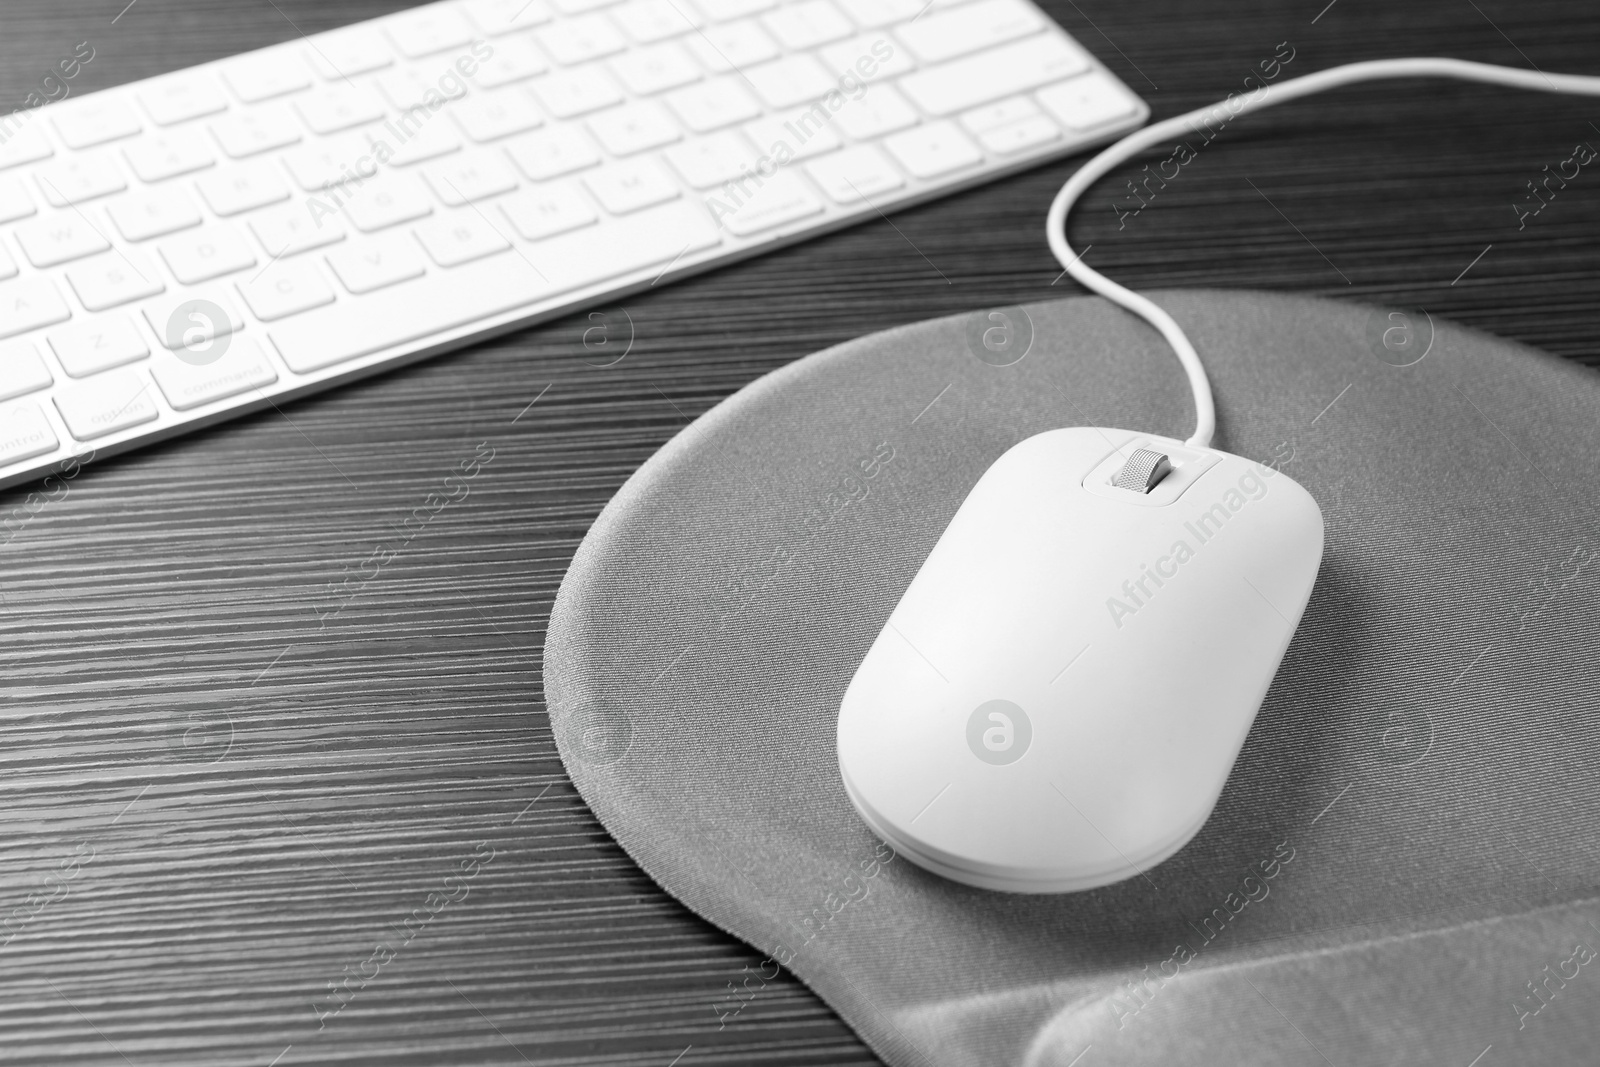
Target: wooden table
column 238, row 795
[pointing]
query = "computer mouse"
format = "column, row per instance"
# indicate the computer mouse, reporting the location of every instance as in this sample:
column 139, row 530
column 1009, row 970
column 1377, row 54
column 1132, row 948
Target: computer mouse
column 1057, row 699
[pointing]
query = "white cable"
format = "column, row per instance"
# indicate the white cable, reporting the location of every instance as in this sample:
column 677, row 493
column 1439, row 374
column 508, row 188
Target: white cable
column 1219, row 113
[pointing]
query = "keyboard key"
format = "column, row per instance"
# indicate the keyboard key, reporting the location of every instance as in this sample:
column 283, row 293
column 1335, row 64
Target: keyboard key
column 725, row 10
column 935, row 149
column 460, row 238
column 869, row 57
column 469, row 177
column 1087, row 102
column 653, row 238
column 791, row 80
column 8, row 266
column 426, row 30
column 552, row 152
column 384, row 260
column 632, row 128
column 248, row 133
column 866, row 58
column 444, row 300
column 1009, row 69
column 291, row 229
column 96, row 120
column 339, row 107
column 870, row 14
column 1000, row 113
column 181, row 98
column 406, row 312
column 59, row 239
column 206, row 253
column 732, row 46
column 387, row 200
column 73, row 180
column 346, row 53
column 407, row 89
column 263, row 77
column 101, row 343
column 329, row 161
column 713, row 104
column 422, row 143
column 803, row 133
column 647, row 21
column 713, row 159
column 105, row 404
column 285, row 288
column 22, row 371
column 24, row 433
column 807, row 24
column 490, row 116
column 189, row 384
column 877, row 111
column 969, row 28
column 1020, row 136
column 168, row 155
column 625, row 187
column 514, row 59
column 655, row 68
column 190, row 318
column 855, row 174
column 15, row 203
column 114, row 279
column 547, row 211
column 27, row 145
column 579, row 7
column 496, row 17
column 568, row 93
column 243, row 188
column 578, row 40
column 761, row 205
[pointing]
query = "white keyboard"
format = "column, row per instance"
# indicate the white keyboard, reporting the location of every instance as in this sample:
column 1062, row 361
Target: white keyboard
column 187, row 248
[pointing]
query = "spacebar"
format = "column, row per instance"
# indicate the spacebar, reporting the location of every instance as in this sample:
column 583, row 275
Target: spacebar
column 459, row 296
column 439, row 301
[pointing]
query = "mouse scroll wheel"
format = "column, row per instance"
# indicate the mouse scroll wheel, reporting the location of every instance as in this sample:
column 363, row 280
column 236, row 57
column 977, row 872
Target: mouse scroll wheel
column 1143, row 471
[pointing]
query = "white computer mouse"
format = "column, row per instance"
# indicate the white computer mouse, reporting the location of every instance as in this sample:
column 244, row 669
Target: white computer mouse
column 1057, row 699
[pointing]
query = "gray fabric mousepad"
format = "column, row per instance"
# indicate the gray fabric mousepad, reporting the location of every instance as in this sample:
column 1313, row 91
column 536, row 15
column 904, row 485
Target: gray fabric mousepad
column 1401, row 869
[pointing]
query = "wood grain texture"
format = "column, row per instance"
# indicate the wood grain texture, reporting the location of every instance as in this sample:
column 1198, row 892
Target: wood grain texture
column 216, row 794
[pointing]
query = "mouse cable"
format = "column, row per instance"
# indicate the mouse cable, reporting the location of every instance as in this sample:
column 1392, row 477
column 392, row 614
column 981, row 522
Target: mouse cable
column 1281, row 92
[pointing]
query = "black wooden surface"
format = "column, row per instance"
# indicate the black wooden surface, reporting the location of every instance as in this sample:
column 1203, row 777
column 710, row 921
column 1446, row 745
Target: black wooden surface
column 241, row 793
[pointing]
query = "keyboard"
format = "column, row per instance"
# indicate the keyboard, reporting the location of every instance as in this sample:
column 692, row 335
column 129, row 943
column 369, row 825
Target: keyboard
column 190, row 247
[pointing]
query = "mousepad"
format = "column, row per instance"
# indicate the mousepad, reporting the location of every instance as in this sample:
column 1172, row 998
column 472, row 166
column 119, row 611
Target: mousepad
column 1402, row 867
